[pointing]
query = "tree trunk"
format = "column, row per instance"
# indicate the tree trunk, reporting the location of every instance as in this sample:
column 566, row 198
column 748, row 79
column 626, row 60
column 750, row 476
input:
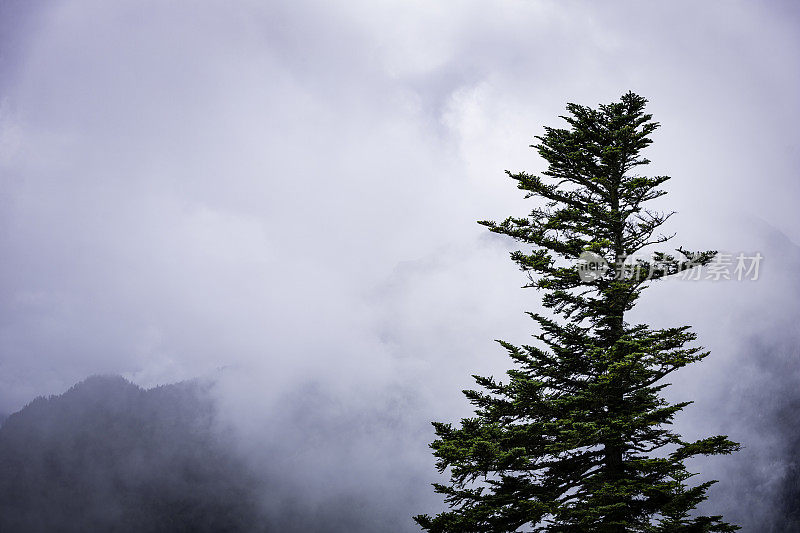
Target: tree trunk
column 614, row 449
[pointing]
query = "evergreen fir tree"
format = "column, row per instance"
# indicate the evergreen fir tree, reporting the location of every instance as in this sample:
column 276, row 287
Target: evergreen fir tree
column 578, row 438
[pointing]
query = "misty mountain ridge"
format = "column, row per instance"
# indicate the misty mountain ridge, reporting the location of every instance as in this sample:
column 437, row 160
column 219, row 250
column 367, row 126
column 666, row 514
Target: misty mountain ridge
column 108, row 455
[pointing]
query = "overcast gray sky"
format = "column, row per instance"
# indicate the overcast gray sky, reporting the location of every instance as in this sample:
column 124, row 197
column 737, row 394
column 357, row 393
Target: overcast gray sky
column 290, row 190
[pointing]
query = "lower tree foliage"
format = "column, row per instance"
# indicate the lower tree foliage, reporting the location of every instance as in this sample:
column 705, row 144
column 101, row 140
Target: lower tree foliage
column 578, row 437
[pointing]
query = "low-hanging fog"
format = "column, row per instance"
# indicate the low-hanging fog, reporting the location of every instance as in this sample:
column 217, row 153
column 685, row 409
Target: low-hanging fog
column 281, row 197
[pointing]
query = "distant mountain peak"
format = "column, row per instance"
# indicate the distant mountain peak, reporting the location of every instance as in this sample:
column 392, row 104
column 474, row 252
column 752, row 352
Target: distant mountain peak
column 108, row 455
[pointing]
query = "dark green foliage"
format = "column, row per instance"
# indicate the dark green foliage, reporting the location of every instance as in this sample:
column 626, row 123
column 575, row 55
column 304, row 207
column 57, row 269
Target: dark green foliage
column 578, row 438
